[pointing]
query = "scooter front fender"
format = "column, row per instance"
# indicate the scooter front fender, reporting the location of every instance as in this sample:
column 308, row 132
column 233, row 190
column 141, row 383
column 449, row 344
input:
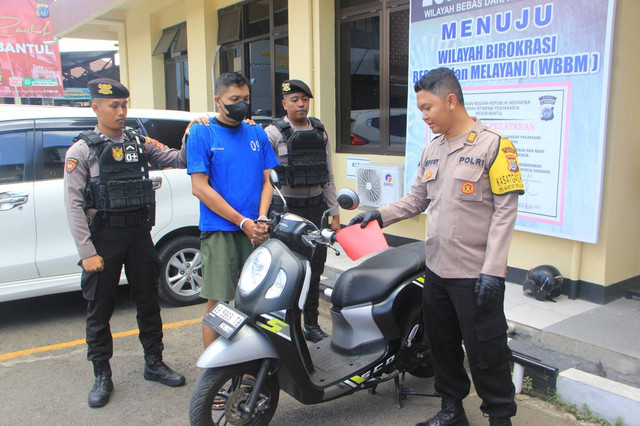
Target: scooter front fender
column 247, row 345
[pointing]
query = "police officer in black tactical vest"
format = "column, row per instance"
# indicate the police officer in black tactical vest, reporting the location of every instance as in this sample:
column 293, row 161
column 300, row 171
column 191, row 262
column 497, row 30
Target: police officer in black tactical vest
column 110, row 206
column 302, row 146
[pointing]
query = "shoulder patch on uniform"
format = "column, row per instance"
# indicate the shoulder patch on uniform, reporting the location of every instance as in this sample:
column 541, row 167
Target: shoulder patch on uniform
column 504, row 173
column 71, row 164
column 156, row 143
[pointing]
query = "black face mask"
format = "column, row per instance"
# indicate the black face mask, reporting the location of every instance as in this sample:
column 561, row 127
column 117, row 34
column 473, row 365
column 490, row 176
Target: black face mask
column 237, row 111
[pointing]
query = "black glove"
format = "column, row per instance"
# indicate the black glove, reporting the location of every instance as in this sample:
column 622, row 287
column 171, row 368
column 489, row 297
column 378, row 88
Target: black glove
column 488, row 288
column 365, row 218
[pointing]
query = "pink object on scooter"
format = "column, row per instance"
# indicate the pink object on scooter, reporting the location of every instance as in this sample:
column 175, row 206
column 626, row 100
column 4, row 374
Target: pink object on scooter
column 358, row 242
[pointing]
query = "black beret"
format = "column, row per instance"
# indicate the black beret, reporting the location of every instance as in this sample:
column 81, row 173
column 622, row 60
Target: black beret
column 293, row 86
column 107, row 88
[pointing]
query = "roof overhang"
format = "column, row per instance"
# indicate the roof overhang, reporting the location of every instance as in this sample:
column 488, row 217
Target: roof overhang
column 69, row 15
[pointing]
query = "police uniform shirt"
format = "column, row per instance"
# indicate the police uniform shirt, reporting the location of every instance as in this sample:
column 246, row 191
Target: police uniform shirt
column 82, row 168
column 469, row 229
column 279, row 145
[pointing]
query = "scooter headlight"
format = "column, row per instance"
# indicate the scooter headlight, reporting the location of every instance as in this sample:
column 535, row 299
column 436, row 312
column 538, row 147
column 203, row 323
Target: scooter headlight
column 254, row 270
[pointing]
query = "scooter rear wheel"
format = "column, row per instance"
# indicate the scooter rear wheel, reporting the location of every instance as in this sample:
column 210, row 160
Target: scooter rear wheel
column 220, row 394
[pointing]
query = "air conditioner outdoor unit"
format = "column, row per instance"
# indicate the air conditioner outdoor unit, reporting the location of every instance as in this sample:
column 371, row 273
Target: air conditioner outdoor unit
column 379, row 184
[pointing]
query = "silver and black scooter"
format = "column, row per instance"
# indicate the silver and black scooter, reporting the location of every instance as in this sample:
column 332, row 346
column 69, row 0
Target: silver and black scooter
column 376, row 333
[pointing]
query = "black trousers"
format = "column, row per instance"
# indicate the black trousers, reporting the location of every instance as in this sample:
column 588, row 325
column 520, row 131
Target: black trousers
column 451, row 317
column 133, row 248
column 312, row 212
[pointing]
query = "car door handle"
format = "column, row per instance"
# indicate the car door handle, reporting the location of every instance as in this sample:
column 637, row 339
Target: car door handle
column 156, row 182
column 9, row 200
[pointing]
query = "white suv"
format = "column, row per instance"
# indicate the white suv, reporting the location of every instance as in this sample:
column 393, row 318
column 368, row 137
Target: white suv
column 37, row 253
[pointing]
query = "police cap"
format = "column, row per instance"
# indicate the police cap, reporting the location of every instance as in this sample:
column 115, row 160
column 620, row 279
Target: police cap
column 294, row 86
column 107, row 88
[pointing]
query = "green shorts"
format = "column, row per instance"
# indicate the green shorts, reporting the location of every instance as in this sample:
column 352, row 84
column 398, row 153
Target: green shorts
column 223, row 255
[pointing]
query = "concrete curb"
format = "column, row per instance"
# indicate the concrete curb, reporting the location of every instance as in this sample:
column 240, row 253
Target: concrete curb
column 606, row 398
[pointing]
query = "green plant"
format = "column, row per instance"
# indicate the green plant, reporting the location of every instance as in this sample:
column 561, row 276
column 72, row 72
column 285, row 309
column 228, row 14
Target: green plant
column 584, row 414
column 527, row 384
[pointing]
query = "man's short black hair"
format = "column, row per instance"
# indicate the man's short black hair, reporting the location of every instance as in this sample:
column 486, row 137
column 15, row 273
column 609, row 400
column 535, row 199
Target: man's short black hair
column 440, row 82
column 228, row 79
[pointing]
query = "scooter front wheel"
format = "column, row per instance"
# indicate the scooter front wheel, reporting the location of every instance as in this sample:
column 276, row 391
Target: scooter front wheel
column 221, row 395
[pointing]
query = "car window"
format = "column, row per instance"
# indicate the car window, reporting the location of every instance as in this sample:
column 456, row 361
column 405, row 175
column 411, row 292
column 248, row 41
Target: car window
column 398, row 125
column 12, row 156
column 169, row 132
column 54, row 147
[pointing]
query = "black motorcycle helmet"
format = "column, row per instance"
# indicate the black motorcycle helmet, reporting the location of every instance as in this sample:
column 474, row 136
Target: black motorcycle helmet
column 543, row 282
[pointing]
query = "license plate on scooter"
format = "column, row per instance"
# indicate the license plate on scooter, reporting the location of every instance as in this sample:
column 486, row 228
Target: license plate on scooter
column 225, row 320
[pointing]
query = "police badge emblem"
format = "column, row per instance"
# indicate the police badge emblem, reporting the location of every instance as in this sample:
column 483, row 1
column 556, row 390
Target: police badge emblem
column 546, row 107
column 71, row 164
column 117, row 153
column 468, row 188
column 105, row 89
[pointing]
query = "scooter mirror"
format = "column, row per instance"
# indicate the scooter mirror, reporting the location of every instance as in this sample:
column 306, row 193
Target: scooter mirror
column 348, row 199
column 273, row 178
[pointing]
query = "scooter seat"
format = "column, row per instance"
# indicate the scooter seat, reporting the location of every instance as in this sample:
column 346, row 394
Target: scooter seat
column 376, row 277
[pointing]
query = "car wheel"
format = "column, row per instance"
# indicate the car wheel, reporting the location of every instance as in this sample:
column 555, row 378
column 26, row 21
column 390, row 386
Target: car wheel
column 181, row 273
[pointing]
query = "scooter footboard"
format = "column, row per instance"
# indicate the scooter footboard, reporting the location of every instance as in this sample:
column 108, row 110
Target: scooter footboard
column 247, row 345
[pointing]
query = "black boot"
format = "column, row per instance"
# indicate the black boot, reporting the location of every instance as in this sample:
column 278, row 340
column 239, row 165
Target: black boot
column 102, row 387
column 157, row 371
column 451, row 414
column 313, row 332
column 499, row 421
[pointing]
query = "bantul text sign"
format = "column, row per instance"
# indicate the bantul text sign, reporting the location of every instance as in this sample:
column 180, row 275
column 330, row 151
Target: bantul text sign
column 28, row 67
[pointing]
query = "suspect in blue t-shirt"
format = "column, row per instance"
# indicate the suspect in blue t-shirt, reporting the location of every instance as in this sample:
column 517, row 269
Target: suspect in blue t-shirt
column 234, row 159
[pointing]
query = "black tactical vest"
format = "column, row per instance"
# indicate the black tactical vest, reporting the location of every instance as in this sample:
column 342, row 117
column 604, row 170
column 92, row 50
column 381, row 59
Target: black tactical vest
column 307, row 155
column 124, row 175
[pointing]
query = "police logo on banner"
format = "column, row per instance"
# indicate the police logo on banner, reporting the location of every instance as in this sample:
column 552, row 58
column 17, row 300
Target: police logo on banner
column 546, row 107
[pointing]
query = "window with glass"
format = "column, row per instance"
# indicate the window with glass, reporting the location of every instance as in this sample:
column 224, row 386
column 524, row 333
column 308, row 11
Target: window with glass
column 12, row 156
column 55, row 144
column 169, row 132
column 373, row 55
column 254, row 42
column 173, row 45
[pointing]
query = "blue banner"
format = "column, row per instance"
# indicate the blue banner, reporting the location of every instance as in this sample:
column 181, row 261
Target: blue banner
column 538, row 72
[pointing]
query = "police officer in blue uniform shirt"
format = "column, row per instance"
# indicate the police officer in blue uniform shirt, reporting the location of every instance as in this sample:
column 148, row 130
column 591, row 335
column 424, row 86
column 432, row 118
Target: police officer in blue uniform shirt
column 110, row 205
